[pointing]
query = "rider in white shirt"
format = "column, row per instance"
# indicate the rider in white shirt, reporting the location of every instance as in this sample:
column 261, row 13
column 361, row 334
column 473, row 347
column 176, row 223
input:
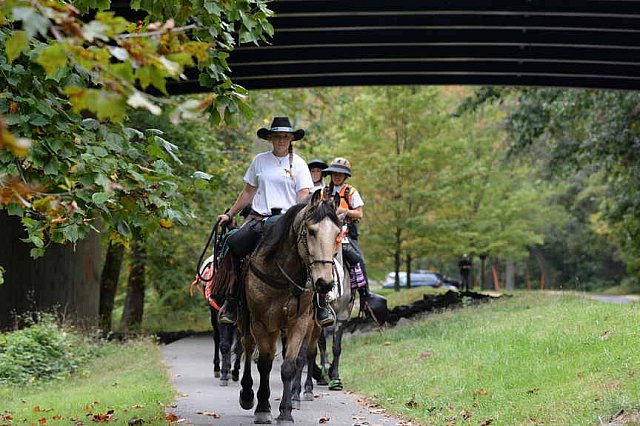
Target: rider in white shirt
column 275, row 181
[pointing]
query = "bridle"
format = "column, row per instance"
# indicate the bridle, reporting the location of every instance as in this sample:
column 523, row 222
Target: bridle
column 302, row 239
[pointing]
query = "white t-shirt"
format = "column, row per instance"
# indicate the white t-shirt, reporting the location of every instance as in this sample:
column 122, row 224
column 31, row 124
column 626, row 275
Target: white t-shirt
column 317, row 186
column 277, row 187
column 354, row 195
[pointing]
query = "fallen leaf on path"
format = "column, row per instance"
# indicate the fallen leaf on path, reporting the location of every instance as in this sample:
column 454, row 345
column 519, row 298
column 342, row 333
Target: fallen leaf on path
column 486, row 422
column 480, row 391
column 358, row 417
column 36, row 409
column 42, row 421
column 137, row 406
column 387, row 343
column 209, row 413
column 171, row 417
column 323, row 420
column 466, row 414
column 56, row 417
column 605, row 335
column 377, row 410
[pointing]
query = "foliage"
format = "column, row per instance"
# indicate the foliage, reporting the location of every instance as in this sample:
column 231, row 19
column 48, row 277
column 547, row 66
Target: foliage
column 127, row 384
column 41, row 352
column 67, row 164
column 531, row 358
column 588, row 132
column 437, row 184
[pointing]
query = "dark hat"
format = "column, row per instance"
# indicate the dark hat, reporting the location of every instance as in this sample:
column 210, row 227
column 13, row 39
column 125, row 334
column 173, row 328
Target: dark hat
column 317, row 163
column 280, row 124
column 338, row 165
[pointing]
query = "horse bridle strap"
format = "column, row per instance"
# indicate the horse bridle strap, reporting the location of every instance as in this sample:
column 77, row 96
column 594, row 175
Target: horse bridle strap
column 279, row 285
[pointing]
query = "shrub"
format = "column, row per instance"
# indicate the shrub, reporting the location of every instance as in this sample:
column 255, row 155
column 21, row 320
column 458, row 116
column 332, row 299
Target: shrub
column 43, row 351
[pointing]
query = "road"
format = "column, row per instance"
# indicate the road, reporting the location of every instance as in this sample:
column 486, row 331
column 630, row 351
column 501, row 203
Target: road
column 191, row 369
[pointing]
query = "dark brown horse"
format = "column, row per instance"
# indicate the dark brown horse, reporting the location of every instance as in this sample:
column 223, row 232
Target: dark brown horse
column 294, row 260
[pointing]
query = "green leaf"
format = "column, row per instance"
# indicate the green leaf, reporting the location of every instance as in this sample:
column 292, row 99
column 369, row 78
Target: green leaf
column 72, row 233
column 52, row 58
column 100, row 198
column 17, row 43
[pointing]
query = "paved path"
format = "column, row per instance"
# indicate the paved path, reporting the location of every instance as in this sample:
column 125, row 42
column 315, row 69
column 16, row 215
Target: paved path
column 620, row 300
column 190, row 363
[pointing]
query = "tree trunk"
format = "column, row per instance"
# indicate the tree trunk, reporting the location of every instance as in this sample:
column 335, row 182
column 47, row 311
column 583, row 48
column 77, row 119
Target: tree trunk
column 511, row 276
column 65, row 279
column 397, row 260
column 544, row 274
column 408, row 270
column 134, row 301
column 109, row 283
column 483, row 258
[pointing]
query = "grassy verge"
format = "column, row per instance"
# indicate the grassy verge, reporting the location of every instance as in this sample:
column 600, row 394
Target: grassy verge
column 530, row 359
column 129, row 382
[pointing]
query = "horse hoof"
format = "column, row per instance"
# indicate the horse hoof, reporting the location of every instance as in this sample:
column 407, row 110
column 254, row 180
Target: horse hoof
column 216, row 374
column 262, row 418
column 246, row 404
column 335, row 384
column 281, row 421
column 295, row 404
column 235, row 376
column 224, row 383
column 307, row 396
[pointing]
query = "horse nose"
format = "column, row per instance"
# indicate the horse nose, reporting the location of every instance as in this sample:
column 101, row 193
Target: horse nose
column 323, row 286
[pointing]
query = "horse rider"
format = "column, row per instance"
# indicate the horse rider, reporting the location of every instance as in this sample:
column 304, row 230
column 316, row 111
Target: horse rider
column 350, row 211
column 275, row 181
column 316, row 167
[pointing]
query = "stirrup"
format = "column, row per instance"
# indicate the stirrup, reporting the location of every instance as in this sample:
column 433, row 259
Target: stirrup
column 328, row 320
column 228, row 315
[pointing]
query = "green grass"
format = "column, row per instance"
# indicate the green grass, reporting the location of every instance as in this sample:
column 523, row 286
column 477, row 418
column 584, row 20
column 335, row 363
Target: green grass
column 129, row 379
column 529, row 359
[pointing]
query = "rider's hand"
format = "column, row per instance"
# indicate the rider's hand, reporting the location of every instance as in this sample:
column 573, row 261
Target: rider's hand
column 223, row 218
column 341, row 211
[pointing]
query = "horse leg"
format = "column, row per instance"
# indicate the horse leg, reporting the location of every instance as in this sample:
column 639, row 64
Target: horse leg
column 246, row 391
column 226, row 340
column 334, row 374
column 237, row 351
column 296, row 385
column 266, row 352
column 324, row 360
column 312, row 351
column 216, row 342
column 296, row 332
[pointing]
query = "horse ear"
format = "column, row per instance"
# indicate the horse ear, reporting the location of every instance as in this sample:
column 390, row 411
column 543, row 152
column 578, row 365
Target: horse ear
column 316, row 198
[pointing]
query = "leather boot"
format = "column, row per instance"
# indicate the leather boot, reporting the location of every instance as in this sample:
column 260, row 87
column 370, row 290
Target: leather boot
column 228, row 312
column 324, row 315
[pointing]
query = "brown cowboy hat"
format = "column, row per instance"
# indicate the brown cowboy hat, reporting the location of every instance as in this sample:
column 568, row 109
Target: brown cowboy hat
column 280, row 125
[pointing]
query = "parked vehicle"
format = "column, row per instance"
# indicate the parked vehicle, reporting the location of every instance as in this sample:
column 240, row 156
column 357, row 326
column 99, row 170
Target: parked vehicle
column 418, row 279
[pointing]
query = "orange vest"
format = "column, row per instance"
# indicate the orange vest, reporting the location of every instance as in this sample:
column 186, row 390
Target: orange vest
column 345, row 199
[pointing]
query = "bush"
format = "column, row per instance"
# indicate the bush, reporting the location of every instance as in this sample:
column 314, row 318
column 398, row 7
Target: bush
column 43, row 351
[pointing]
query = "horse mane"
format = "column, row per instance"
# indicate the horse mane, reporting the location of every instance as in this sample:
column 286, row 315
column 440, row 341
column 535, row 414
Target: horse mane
column 276, row 235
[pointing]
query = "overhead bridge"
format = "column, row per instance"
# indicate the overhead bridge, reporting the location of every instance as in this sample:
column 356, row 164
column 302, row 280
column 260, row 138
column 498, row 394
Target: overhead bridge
column 590, row 44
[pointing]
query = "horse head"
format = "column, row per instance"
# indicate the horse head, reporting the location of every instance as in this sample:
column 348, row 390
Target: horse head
column 319, row 229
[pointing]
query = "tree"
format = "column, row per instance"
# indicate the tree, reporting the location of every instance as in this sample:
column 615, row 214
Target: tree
column 67, row 163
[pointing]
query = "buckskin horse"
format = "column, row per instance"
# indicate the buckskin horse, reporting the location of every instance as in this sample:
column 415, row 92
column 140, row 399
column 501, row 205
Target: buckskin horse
column 294, row 260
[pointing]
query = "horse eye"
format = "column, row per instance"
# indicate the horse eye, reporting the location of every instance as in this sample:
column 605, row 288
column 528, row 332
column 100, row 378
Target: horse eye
column 312, row 232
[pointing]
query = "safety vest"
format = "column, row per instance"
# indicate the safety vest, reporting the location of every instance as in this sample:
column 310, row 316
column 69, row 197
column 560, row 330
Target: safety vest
column 345, row 199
